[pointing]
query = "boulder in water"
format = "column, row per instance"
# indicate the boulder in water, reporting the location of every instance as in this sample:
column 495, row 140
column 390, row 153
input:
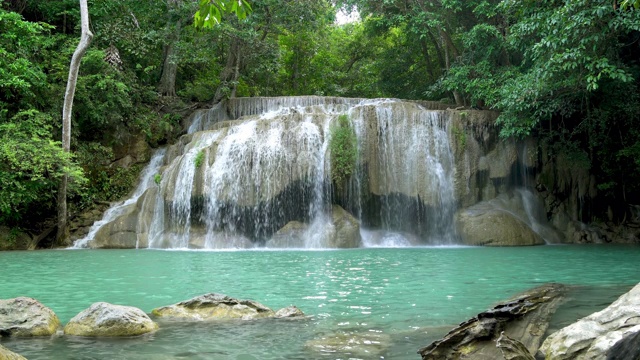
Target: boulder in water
column 351, row 344
column 214, row 307
column 483, row 225
column 24, row 317
column 613, row 333
column 108, row 320
column 346, row 232
column 6, row 354
column 290, row 236
column 525, row 317
column 289, row 312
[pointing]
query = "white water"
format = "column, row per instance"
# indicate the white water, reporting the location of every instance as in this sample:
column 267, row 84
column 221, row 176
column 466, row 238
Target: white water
column 271, row 166
column 147, row 179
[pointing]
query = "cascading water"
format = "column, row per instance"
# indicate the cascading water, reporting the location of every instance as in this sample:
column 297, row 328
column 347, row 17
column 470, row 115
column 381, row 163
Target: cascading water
column 147, row 179
column 256, row 172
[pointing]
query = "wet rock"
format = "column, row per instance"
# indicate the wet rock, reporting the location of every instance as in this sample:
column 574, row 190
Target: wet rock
column 289, row 312
column 494, row 227
column 6, row 354
column 214, row 307
column 346, row 232
column 351, row 344
column 108, row 320
column 525, row 317
column 613, row 333
column 24, row 317
column 290, row 236
column 512, row 349
column 13, row 239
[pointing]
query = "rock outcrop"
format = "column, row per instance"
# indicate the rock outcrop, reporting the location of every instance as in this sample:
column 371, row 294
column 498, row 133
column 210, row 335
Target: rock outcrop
column 525, row 317
column 288, row 312
column 214, row 307
column 613, row 333
column 25, row 317
column 107, row 320
column 6, row 354
column 493, row 227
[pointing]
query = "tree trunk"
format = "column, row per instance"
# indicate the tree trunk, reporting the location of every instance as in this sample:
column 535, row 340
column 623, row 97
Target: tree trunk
column 230, row 73
column 62, row 236
column 167, row 86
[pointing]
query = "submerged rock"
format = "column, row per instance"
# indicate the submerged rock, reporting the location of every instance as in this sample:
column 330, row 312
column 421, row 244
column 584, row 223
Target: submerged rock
column 104, row 319
column 289, row 312
column 6, row 354
column 214, row 307
column 24, row 317
column 613, row 333
column 525, row 317
column 352, row 344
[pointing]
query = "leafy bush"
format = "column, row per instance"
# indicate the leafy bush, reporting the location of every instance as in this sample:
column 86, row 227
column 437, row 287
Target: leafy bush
column 343, row 145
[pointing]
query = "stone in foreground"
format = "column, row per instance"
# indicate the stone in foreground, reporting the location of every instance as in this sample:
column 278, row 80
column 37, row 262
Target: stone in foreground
column 613, row 333
column 289, row 312
column 351, row 344
column 525, row 318
column 108, row 320
column 6, row 354
column 214, row 307
column 24, row 317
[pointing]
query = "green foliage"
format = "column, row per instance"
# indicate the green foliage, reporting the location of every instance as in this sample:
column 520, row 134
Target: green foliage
column 211, row 11
column 343, row 145
column 31, row 164
column 199, row 159
column 157, row 179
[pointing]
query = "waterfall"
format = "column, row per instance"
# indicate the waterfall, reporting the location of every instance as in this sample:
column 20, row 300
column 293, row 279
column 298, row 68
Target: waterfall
column 257, row 172
column 147, row 179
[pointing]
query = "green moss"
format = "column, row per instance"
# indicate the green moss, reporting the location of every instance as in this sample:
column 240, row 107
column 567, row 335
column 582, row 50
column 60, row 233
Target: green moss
column 343, row 145
column 461, row 137
column 199, row 159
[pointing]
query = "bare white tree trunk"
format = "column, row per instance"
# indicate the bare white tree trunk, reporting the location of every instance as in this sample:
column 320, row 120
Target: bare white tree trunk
column 62, row 237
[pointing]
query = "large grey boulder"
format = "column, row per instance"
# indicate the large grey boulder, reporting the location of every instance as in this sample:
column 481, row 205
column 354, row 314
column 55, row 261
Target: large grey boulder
column 494, row 227
column 214, row 307
column 503, row 221
column 24, row 317
column 6, row 354
column 290, row 236
column 108, row 320
column 346, row 229
column 524, row 317
column 613, row 333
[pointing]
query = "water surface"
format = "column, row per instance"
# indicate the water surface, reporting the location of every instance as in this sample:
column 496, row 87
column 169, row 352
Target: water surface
column 404, row 297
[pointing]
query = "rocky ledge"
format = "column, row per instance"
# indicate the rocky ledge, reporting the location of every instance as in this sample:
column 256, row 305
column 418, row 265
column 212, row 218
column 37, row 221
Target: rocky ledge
column 525, row 317
column 613, row 333
column 213, row 306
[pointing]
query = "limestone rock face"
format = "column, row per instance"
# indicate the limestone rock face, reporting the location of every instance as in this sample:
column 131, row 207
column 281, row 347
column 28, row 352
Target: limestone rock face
column 24, row 317
column 108, row 320
column 613, row 333
column 6, row 354
column 289, row 312
column 525, row 317
column 15, row 240
column 214, row 307
column 493, row 227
